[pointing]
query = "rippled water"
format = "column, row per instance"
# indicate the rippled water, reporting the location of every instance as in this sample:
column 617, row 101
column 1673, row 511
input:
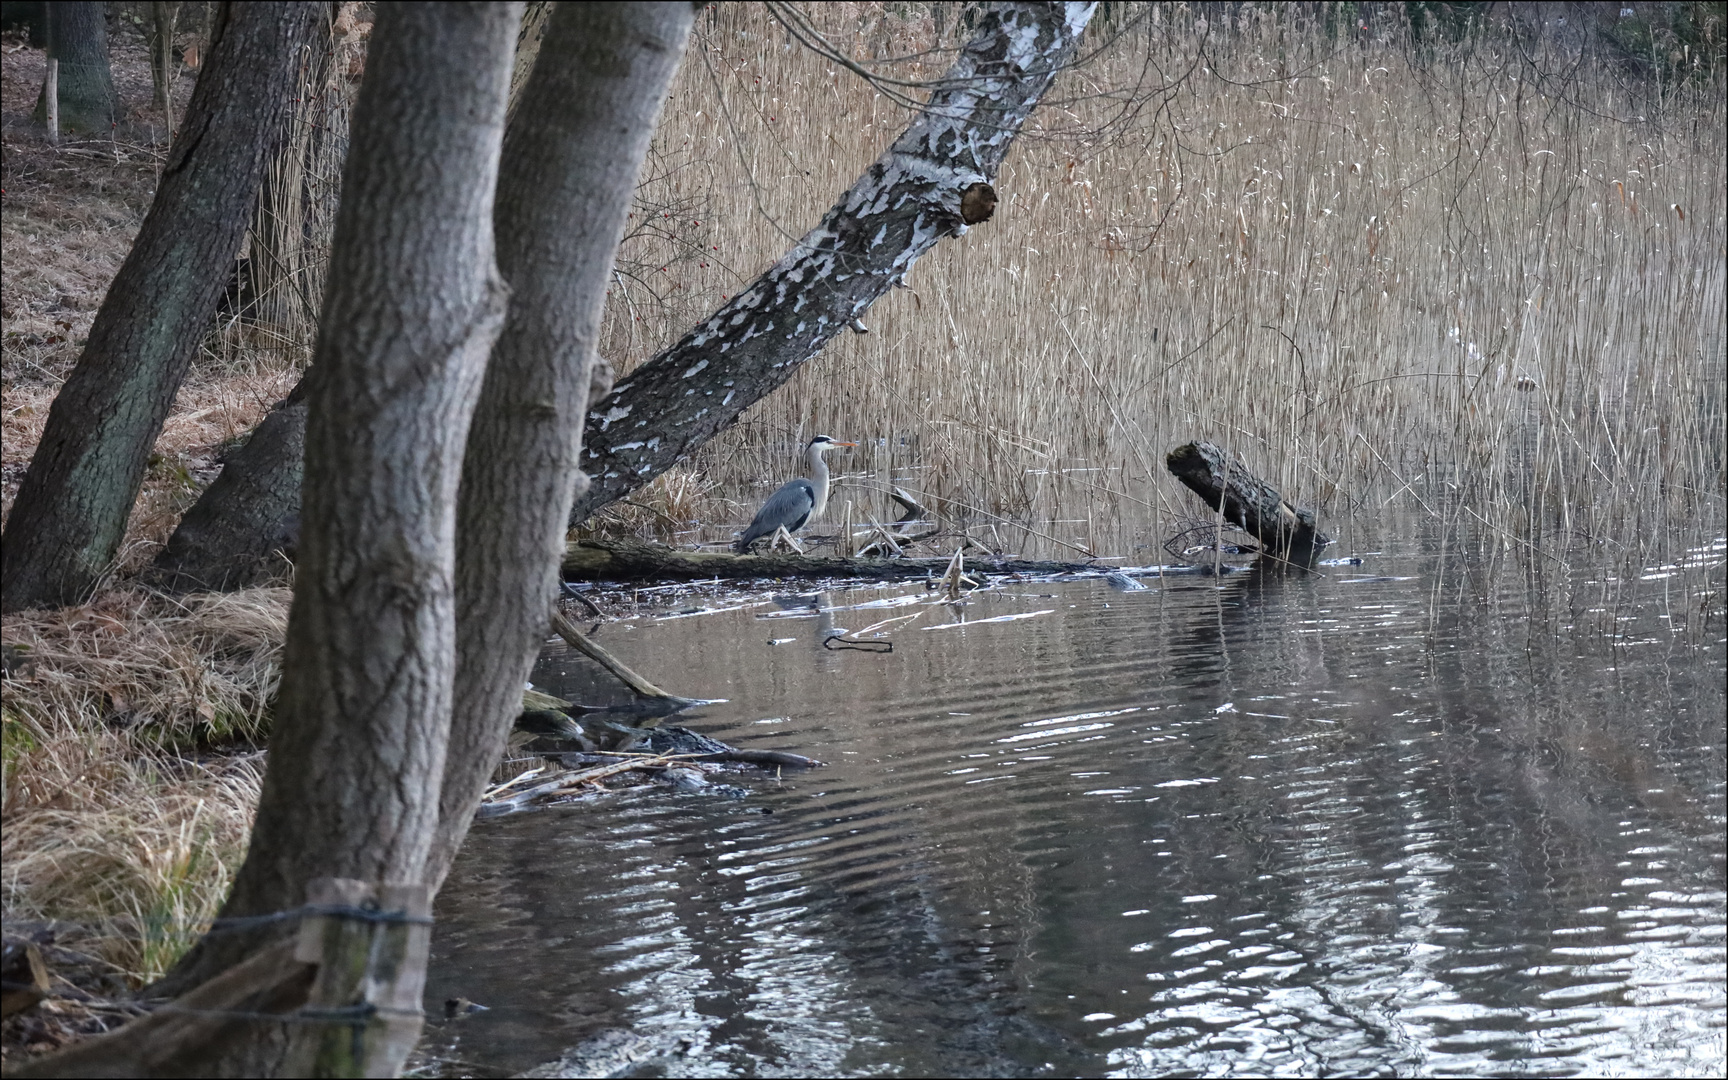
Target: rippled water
column 1373, row 820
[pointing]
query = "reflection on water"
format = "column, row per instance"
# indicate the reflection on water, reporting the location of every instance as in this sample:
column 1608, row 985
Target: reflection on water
column 1372, row 820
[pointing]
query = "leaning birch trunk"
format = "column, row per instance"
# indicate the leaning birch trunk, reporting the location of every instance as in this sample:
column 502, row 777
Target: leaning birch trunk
column 577, row 139
column 414, row 305
column 932, row 183
column 954, row 144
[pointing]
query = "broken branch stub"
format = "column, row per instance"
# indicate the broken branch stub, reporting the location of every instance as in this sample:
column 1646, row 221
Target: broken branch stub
column 1285, row 533
column 931, row 183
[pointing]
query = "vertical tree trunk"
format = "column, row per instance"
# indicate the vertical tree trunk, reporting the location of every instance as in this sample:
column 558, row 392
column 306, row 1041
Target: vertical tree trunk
column 164, row 65
column 284, row 314
column 536, row 16
column 577, row 140
column 71, row 511
column 247, row 522
column 78, row 38
column 414, row 304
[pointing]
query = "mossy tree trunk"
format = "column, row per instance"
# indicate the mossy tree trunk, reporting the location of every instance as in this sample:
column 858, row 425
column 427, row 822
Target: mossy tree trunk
column 70, row 515
column 78, row 38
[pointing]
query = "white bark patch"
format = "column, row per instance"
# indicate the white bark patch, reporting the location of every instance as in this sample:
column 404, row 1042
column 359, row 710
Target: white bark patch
column 616, row 413
column 695, row 368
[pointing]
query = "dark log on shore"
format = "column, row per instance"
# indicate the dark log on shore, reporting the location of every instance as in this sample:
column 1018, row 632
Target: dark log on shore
column 634, row 560
column 1248, row 502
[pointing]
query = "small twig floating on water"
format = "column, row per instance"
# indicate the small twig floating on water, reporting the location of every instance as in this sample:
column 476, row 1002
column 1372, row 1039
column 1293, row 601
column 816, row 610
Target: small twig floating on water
column 840, row 641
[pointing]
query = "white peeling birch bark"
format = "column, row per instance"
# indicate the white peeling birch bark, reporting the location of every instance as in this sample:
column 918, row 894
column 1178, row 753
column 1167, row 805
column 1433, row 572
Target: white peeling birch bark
column 909, row 199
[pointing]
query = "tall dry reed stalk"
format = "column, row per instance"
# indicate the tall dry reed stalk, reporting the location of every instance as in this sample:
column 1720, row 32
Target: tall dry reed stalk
column 1482, row 279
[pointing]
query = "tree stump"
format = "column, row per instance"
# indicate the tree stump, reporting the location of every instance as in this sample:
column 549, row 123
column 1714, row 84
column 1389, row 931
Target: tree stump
column 1286, row 533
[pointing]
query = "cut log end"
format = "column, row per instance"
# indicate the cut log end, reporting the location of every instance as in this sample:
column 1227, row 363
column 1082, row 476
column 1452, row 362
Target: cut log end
column 977, row 204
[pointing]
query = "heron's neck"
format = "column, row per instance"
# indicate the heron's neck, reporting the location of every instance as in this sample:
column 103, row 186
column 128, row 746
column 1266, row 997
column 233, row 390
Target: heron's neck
column 819, row 478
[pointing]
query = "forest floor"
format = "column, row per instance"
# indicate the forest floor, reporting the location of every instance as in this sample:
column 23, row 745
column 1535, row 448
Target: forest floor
column 129, row 776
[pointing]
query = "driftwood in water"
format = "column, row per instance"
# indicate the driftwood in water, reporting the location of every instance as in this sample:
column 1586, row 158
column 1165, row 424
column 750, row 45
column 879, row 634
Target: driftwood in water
column 579, row 641
column 1248, row 502
column 635, row 560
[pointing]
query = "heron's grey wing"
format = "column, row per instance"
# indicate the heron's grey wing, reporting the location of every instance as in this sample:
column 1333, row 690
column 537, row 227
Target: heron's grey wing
column 797, row 498
column 790, row 506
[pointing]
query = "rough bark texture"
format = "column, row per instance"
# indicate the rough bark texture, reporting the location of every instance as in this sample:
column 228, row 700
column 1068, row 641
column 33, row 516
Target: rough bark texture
column 414, row 305
column 290, row 236
column 1005, row 69
column 634, row 560
column 219, row 551
column 576, row 143
column 78, row 38
column 1248, row 502
column 71, row 511
column 907, row 201
column 536, row 17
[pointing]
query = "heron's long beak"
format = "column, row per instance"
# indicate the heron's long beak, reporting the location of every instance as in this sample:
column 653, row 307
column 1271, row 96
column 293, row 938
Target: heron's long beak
column 845, row 444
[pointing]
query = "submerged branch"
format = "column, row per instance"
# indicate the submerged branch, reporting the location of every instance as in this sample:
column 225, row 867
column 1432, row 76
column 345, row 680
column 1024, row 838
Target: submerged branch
column 1248, row 502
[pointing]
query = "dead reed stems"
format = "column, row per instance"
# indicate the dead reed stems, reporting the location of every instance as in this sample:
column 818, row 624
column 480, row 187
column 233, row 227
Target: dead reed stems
column 1467, row 279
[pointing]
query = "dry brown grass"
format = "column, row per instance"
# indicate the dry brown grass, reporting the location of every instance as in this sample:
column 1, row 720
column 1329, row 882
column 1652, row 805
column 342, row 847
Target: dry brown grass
column 129, row 785
column 672, row 509
column 120, row 819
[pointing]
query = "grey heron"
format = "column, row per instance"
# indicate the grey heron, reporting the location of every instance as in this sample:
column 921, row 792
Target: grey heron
column 798, row 501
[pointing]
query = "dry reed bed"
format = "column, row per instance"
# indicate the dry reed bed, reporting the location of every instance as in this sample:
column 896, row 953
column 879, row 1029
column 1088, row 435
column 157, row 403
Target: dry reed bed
column 1490, row 286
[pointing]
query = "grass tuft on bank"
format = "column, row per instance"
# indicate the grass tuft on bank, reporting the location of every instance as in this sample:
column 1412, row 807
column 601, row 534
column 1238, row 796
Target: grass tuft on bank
column 130, row 777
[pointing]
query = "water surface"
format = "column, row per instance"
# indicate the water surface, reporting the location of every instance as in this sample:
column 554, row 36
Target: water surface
column 1411, row 817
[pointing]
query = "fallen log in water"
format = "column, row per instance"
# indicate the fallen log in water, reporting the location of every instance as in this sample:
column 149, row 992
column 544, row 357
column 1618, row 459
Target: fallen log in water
column 636, row 560
column 1248, row 502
